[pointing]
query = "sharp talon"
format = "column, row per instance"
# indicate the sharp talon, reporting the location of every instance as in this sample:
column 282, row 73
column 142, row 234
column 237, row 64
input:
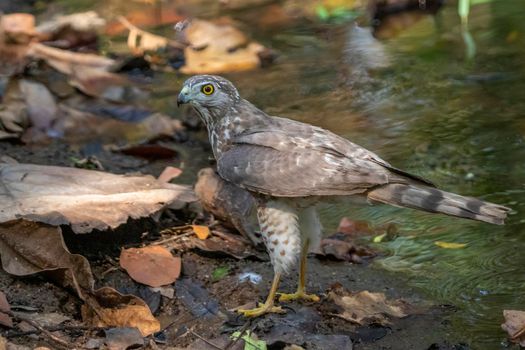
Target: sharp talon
column 298, row 296
column 261, row 310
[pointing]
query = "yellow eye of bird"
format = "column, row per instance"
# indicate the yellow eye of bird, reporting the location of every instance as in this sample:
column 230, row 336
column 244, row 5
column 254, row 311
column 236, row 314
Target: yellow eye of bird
column 207, row 89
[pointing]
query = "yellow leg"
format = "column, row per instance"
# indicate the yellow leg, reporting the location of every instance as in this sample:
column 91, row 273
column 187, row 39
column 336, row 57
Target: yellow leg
column 268, row 306
column 301, row 290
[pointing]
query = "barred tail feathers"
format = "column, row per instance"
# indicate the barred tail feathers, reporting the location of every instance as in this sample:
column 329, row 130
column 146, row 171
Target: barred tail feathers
column 436, row 201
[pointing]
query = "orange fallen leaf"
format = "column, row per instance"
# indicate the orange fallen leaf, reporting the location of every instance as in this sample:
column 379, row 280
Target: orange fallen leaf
column 151, row 265
column 106, row 307
column 202, row 232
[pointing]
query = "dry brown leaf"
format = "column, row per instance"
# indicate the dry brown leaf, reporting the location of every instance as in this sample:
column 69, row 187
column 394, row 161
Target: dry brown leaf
column 216, row 48
column 153, row 265
column 18, row 28
column 140, row 41
column 227, row 202
column 515, row 325
column 78, row 126
column 85, row 199
column 88, row 72
column 66, row 61
column 366, row 307
column 5, row 319
column 108, row 308
column 97, row 82
column 202, row 232
column 27, row 248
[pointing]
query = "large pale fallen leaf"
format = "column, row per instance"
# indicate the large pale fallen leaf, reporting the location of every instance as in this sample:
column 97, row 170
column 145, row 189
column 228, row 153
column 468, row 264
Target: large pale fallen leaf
column 107, row 307
column 228, row 202
column 27, row 248
column 366, row 307
column 515, row 325
column 152, row 265
column 85, row 199
column 216, row 48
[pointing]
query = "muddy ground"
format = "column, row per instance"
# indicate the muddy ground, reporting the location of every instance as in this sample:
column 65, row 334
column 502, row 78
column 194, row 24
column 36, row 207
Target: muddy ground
column 312, row 326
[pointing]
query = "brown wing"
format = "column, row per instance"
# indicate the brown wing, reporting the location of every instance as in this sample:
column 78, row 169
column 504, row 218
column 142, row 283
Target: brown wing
column 293, row 159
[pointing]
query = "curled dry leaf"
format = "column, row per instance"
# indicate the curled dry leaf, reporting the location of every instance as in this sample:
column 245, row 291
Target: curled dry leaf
column 515, row 325
column 27, row 248
column 227, row 202
column 85, row 199
column 216, row 48
column 5, row 319
column 153, row 265
column 366, row 307
column 107, row 307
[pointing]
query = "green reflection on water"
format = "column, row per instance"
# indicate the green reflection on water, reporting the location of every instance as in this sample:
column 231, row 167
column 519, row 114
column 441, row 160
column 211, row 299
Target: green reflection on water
column 437, row 113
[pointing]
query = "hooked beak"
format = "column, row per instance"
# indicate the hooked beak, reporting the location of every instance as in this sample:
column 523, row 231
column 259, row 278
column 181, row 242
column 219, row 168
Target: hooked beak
column 183, row 97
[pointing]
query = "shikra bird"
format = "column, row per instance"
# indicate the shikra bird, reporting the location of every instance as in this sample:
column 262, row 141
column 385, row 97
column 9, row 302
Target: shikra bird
column 290, row 167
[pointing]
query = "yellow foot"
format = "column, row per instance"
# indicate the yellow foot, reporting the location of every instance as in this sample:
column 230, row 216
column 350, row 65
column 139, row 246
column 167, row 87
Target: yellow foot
column 298, row 295
column 261, row 310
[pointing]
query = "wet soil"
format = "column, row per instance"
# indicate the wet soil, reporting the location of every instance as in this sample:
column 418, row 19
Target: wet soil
column 312, row 326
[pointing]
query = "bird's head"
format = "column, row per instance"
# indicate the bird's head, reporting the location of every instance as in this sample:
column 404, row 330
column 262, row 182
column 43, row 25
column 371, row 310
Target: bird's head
column 211, row 96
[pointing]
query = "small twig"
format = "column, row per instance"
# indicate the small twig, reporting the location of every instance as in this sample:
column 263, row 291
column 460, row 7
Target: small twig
column 205, row 340
column 14, row 334
column 234, row 341
column 174, row 238
column 41, row 329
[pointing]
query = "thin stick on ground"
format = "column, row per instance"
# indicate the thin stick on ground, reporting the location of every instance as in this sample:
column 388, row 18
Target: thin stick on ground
column 205, row 340
column 42, row 330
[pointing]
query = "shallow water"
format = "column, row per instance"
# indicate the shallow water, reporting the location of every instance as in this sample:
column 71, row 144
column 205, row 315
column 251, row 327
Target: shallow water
column 456, row 120
column 430, row 104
